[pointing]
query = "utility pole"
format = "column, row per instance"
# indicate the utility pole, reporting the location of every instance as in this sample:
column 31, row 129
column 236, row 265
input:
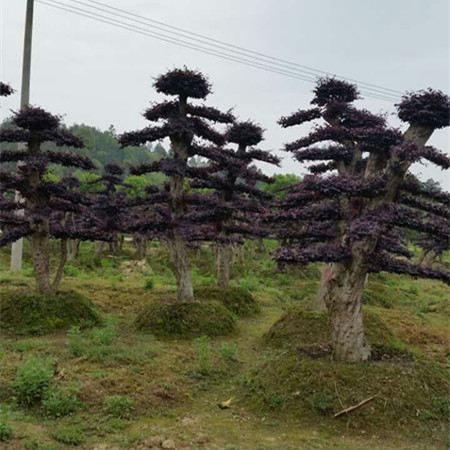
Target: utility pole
column 17, row 247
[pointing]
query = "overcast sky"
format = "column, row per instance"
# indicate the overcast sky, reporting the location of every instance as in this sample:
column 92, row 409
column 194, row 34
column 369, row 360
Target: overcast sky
column 97, row 74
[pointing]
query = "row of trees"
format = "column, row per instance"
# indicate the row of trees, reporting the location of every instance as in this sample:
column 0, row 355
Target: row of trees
column 354, row 218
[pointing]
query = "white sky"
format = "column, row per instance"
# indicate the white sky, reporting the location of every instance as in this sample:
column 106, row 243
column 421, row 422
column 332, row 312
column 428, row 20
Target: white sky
column 100, row 75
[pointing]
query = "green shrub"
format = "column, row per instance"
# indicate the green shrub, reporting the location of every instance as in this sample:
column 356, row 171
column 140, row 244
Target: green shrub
column 283, row 279
column 227, row 352
column 33, row 313
column 71, row 271
column 204, row 355
column 73, row 435
column 33, row 379
column 61, row 401
column 119, row 406
column 250, row 283
column 104, row 335
column 149, row 284
column 321, row 402
column 75, row 342
column 188, row 319
column 101, row 345
column 277, row 401
column 34, row 444
column 6, row 431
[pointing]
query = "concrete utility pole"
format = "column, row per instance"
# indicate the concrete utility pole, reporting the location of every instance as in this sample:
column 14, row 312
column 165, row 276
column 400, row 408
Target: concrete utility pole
column 17, row 247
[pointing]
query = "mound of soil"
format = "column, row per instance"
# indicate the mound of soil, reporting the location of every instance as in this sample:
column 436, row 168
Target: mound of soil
column 238, row 300
column 168, row 318
column 309, row 333
column 412, row 394
column 32, row 313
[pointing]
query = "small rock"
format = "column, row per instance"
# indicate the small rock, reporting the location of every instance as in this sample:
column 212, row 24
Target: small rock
column 168, row 444
column 203, row 439
column 154, row 441
column 187, row 421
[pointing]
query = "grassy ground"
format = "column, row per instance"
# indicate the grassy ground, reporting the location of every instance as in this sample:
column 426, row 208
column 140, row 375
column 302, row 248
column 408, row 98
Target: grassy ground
column 114, row 387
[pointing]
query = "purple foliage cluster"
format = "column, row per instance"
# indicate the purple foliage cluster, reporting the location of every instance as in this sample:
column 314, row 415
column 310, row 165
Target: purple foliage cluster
column 47, row 205
column 371, row 197
column 427, row 108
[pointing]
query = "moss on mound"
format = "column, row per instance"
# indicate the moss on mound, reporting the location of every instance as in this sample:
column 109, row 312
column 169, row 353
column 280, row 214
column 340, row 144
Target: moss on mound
column 33, row 313
column 412, row 394
column 165, row 318
column 238, row 300
column 309, row 332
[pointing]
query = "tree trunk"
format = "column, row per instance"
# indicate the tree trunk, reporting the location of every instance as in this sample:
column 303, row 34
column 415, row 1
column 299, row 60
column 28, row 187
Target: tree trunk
column 318, row 303
column 62, row 263
column 223, row 265
column 73, row 248
column 40, row 247
column 260, row 247
column 99, row 250
column 343, row 298
column 141, row 247
column 180, row 262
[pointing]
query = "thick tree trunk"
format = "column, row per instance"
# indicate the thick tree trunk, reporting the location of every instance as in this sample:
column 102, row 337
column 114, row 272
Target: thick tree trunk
column 99, row 250
column 40, row 247
column 343, row 298
column 141, row 247
column 180, row 262
column 73, row 248
column 260, row 247
column 318, row 303
column 223, row 265
column 62, row 262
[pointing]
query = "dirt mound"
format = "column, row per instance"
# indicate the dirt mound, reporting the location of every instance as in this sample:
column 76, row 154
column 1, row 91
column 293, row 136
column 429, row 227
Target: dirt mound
column 238, row 300
column 167, row 318
column 33, row 313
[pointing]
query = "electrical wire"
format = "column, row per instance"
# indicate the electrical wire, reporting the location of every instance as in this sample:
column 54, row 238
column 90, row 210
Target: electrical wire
column 170, row 39
column 206, row 38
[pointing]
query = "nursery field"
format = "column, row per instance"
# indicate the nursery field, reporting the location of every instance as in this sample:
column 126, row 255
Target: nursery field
column 109, row 382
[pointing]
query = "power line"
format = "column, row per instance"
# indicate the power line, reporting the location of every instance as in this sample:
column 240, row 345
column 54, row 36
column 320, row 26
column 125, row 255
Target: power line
column 170, row 39
column 304, row 70
column 206, row 38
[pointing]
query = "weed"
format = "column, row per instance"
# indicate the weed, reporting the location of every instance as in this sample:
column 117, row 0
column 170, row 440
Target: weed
column 204, row 355
column 99, row 374
column 71, row 271
column 34, row 444
column 33, row 379
column 61, row 401
column 73, row 435
column 277, row 401
column 227, row 352
column 149, row 284
column 321, row 402
column 119, row 406
column 6, row 431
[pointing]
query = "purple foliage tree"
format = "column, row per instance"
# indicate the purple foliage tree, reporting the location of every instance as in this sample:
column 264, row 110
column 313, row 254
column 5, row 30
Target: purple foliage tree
column 232, row 176
column 51, row 209
column 184, row 123
column 353, row 218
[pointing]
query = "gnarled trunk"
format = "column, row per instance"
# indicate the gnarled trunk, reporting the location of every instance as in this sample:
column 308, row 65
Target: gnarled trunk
column 318, row 303
column 180, row 262
column 141, row 247
column 62, row 262
column 40, row 247
column 223, row 265
column 343, row 298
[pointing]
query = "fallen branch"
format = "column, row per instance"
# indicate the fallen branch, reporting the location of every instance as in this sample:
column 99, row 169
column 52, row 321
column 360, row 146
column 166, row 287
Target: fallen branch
column 351, row 408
